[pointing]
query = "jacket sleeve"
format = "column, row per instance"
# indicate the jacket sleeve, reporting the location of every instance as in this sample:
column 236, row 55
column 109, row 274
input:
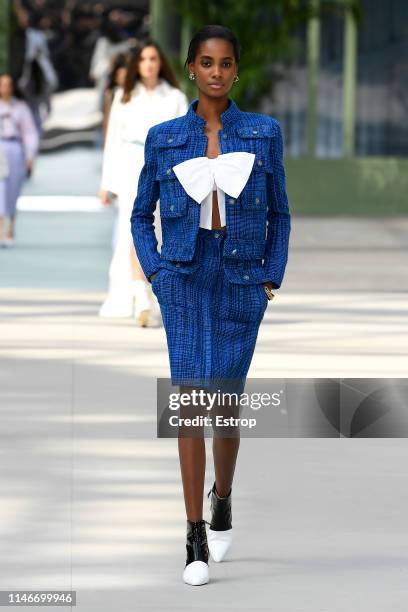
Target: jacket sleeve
column 278, row 215
column 142, row 217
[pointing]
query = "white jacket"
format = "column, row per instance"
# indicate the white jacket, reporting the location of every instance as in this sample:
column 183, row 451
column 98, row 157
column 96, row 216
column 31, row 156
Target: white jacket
column 130, row 122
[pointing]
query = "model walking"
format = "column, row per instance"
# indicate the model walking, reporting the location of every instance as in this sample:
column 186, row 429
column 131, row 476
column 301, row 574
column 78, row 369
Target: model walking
column 116, row 78
column 225, row 230
column 19, row 143
column 150, row 95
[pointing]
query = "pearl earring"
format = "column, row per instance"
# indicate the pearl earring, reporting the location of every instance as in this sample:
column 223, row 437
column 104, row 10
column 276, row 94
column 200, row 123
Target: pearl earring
column 191, row 76
column 236, row 78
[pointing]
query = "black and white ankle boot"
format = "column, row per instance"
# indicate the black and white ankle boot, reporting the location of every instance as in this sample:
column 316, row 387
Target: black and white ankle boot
column 220, row 530
column 196, row 568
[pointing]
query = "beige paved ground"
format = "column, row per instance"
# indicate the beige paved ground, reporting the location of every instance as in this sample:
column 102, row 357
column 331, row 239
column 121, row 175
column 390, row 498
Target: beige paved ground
column 90, row 498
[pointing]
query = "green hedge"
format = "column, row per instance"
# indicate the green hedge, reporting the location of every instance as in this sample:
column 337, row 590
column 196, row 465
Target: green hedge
column 358, row 186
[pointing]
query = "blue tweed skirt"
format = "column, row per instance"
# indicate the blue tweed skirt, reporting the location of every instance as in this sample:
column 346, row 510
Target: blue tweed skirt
column 211, row 324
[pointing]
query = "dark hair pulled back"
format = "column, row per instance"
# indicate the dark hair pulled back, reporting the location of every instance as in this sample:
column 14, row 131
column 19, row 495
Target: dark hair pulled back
column 212, row 31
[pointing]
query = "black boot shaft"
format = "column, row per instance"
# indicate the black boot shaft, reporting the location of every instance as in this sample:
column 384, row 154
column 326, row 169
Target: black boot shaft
column 197, row 547
column 221, row 513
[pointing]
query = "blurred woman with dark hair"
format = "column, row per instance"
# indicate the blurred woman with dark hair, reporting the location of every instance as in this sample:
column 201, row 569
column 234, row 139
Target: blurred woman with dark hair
column 150, row 95
column 116, row 78
column 108, row 47
column 19, row 143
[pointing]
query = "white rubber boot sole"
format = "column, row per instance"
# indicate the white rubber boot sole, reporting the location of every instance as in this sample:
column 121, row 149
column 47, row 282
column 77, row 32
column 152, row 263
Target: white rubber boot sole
column 219, row 543
column 196, row 573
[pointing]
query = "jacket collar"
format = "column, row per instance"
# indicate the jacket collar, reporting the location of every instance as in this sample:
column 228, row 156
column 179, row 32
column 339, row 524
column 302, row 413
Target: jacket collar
column 229, row 116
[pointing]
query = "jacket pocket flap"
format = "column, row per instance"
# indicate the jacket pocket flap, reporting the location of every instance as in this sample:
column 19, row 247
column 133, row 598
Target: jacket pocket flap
column 253, row 276
column 256, row 131
column 244, row 249
column 171, row 139
column 174, row 206
column 183, row 267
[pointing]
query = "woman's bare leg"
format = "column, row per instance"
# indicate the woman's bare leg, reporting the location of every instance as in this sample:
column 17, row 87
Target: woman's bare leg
column 225, row 452
column 11, row 227
column 225, row 448
column 192, row 464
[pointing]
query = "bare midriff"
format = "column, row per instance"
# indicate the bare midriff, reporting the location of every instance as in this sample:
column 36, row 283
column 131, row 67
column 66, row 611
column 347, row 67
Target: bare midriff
column 213, row 150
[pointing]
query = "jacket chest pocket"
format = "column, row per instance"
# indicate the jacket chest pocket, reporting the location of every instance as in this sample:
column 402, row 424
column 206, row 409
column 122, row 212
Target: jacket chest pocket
column 171, row 151
column 173, row 207
column 254, row 195
column 256, row 140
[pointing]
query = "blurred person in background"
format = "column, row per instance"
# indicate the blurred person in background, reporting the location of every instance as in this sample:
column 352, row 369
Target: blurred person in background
column 79, row 33
column 19, row 142
column 150, row 95
column 116, row 78
column 38, row 79
column 107, row 47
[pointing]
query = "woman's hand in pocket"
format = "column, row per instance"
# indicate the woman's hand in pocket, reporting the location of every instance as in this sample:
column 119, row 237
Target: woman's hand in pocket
column 268, row 289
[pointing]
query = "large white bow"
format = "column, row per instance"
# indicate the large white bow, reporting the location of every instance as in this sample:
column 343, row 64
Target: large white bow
column 229, row 170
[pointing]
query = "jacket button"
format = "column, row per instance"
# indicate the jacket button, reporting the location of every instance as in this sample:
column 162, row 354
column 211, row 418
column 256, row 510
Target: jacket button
column 267, row 223
column 225, row 136
column 178, row 265
column 172, row 207
column 168, row 171
column 231, row 201
column 257, row 200
column 216, row 235
column 234, row 251
column 267, row 208
column 259, row 162
column 246, row 277
column 254, row 131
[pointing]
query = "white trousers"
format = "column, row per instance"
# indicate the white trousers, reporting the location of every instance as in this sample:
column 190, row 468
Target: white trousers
column 120, row 270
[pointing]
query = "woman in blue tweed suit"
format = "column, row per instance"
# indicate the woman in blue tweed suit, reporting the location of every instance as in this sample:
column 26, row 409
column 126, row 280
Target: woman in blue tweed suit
column 219, row 175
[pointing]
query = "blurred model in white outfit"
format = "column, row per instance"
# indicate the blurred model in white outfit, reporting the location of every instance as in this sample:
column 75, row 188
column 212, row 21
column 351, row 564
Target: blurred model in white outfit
column 150, row 95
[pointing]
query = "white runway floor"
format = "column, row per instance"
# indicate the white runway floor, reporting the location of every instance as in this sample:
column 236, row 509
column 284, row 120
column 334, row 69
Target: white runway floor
column 92, row 501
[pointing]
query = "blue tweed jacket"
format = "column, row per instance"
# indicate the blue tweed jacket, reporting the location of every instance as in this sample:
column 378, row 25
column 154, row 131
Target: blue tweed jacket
column 258, row 221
